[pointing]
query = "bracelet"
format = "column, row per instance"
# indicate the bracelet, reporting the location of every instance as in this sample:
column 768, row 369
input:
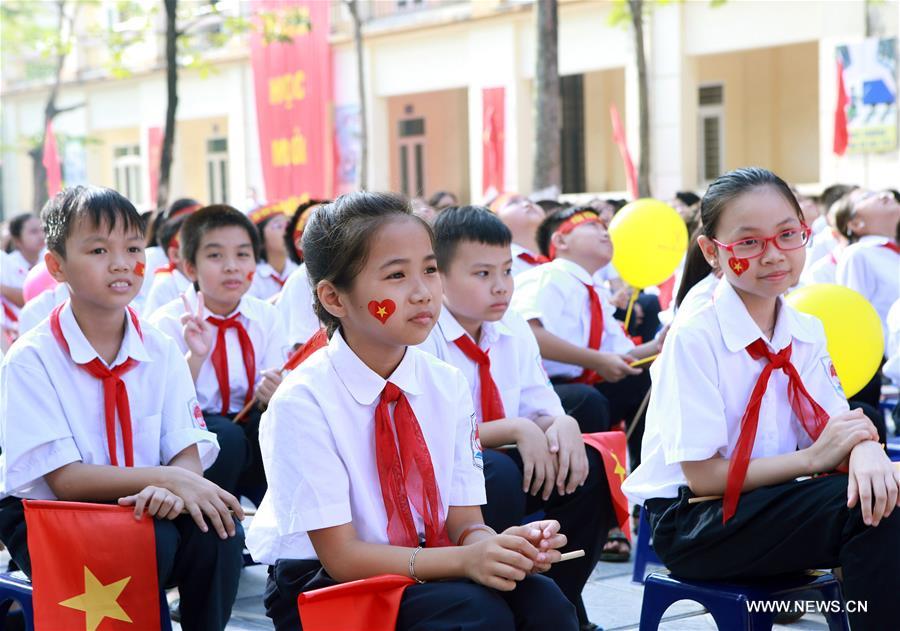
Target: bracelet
column 468, row 531
column 412, row 566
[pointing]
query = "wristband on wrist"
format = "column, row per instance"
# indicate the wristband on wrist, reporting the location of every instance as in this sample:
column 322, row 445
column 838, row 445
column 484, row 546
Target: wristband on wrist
column 468, row 531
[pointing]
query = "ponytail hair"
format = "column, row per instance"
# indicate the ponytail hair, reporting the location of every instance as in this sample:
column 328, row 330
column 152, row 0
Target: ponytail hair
column 696, row 268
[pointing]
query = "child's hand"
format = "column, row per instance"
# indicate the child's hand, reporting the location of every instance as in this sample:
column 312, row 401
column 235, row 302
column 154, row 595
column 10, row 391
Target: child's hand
column 266, row 388
column 874, row 482
column 499, row 562
column 198, row 333
column 159, row 502
column 545, row 537
column 202, row 497
column 841, row 434
column 564, row 440
column 539, row 464
column 613, row 367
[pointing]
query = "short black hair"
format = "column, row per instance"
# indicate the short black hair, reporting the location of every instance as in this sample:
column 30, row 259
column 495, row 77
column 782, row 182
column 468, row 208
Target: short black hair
column 210, row 218
column 168, row 231
column 17, row 224
column 553, row 221
column 101, row 206
column 687, row 198
column 466, row 223
column 301, row 213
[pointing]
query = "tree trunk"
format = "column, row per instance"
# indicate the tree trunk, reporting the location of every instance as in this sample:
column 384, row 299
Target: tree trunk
column 353, row 5
column 547, row 101
column 637, row 20
column 165, row 160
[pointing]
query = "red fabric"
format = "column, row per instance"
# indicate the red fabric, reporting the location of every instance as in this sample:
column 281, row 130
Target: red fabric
column 595, row 336
column 292, row 86
column 11, row 315
column 165, row 269
column 115, row 394
column 666, row 289
column 492, row 131
column 893, row 247
column 278, row 279
column 220, row 358
column 622, row 144
column 318, row 340
column 579, row 218
column 371, row 604
column 51, row 163
column 407, row 474
column 613, row 448
column 808, row 412
column 841, row 133
column 491, row 402
column 533, row 259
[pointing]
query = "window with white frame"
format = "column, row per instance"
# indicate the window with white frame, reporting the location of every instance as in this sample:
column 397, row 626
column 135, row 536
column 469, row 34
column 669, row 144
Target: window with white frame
column 127, row 172
column 711, row 132
column 217, row 170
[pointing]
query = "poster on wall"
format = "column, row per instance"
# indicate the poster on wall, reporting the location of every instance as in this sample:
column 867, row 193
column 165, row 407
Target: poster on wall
column 867, row 96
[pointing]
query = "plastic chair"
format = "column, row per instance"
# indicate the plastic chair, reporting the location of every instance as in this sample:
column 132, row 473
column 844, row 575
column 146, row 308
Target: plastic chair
column 643, row 550
column 728, row 603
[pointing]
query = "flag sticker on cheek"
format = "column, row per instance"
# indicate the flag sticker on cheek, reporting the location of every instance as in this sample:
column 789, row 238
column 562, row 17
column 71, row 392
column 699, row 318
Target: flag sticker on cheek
column 250, row 276
column 738, row 266
column 139, row 269
column 382, row 310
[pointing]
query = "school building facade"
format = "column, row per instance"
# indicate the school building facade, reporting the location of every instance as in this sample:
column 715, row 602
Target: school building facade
column 747, row 82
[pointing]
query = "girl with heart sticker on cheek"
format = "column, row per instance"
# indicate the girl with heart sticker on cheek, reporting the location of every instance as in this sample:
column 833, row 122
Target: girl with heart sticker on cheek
column 377, row 290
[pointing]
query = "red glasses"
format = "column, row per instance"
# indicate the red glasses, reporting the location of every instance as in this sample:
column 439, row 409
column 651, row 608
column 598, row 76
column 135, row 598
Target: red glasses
column 790, row 239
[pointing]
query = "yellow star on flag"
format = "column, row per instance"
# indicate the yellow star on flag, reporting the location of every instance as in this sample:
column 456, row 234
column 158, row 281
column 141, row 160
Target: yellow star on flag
column 619, row 470
column 738, row 267
column 98, row 601
column 382, row 312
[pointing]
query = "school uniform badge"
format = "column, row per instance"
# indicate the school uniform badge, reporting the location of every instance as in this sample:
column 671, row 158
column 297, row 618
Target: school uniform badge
column 477, row 456
column 196, row 414
column 831, row 373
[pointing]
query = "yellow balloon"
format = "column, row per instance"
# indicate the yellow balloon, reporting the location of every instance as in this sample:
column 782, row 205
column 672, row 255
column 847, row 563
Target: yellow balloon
column 852, row 329
column 649, row 240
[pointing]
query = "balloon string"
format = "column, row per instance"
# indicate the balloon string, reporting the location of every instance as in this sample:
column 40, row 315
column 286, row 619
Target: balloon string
column 634, row 295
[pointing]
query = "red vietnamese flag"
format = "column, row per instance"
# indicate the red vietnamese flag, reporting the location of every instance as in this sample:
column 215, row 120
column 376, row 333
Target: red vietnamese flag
column 50, row 160
column 81, row 582
column 622, row 143
column 492, row 139
column 841, row 134
column 613, row 449
column 371, row 604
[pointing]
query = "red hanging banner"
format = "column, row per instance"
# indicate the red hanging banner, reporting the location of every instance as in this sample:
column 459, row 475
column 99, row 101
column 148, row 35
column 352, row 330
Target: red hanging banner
column 51, row 162
column 492, row 126
column 154, row 152
column 292, row 81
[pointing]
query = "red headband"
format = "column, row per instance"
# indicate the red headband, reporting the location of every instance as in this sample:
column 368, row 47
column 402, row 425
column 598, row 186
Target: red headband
column 264, row 212
column 578, row 219
column 181, row 212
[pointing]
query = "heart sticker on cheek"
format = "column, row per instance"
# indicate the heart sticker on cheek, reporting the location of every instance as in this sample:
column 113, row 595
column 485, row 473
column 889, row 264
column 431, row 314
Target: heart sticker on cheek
column 738, row 266
column 250, row 276
column 382, row 310
column 139, row 269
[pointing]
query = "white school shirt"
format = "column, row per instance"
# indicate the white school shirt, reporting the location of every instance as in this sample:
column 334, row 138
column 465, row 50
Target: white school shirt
column 296, row 307
column 263, row 325
column 318, row 444
column 891, row 368
column 821, row 272
column 515, row 364
column 15, row 269
column 52, row 411
column 605, row 274
column 520, row 265
column 264, row 285
column 822, row 244
column 38, row 308
column 702, row 384
column 696, row 297
column 166, row 287
column 555, row 294
column 874, row 271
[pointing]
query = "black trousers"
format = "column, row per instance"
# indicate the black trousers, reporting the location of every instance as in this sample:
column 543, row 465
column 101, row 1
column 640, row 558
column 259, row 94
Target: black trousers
column 536, row 604
column 586, row 405
column 585, row 516
column 625, row 398
column 650, row 324
column 204, row 568
column 239, row 465
column 781, row 529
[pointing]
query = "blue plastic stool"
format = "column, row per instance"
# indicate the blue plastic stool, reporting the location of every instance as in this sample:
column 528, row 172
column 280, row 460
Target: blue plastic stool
column 643, row 550
column 16, row 590
column 893, row 449
column 728, row 602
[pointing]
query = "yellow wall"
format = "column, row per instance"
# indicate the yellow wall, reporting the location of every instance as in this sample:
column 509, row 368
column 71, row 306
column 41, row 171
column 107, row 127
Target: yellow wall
column 603, row 164
column 100, row 154
column 446, row 139
column 771, row 108
column 189, row 177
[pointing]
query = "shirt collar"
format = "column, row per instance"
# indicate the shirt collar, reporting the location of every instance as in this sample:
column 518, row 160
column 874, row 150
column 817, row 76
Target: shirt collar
column 265, row 269
column 248, row 308
column 739, row 330
column 873, row 239
column 573, row 268
column 452, row 330
column 80, row 348
column 363, row 383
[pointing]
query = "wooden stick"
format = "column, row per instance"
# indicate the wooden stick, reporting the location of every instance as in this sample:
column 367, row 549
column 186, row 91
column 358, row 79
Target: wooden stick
column 568, row 556
column 646, row 360
column 240, row 415
column 640, row 411
column 703, row 498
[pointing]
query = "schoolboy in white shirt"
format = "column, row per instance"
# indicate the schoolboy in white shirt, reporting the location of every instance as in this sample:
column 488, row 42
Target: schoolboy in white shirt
column 53, row 385
column 522, row 216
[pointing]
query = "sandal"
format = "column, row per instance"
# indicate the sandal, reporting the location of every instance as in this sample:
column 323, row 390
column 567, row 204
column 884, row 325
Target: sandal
column 617, row 548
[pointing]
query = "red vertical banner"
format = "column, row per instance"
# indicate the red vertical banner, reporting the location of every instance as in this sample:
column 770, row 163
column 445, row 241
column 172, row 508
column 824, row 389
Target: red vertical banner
column 292, row 84
column 841, row 135
column 51, row 162
column 154, row 153
column 492, row 139
column 622, row 143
